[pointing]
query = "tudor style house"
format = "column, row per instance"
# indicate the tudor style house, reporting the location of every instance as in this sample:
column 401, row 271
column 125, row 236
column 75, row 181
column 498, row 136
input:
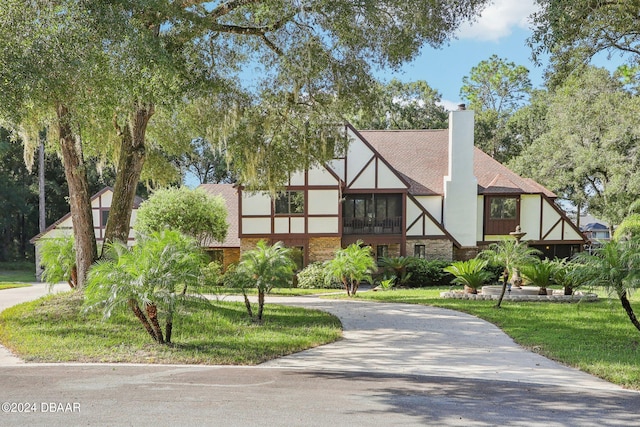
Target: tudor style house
column 100, row 207
column 424, row 193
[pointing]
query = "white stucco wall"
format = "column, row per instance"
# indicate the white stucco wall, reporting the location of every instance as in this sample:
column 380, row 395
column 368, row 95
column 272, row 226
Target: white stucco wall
column 367, row 179
column 321, row 176
column 281, row 225
column 358, row 155
column 550, row 218
column 433, row 205
column 387, row 178
column 323, row 225
column 323, row 202
column 530, row 216
column 338, row 167
column 297, row 178
column 256, row 204
column 297, row 225
column 256, row 225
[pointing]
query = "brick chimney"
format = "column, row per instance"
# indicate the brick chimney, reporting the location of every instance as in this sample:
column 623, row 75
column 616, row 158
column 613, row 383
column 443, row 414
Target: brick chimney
column 461, row 185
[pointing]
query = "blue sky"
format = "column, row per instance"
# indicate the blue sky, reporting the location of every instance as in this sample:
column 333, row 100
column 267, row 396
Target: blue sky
column 502, row 29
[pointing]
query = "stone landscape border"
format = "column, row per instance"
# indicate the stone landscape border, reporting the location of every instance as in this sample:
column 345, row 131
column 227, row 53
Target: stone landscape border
column 522, row 298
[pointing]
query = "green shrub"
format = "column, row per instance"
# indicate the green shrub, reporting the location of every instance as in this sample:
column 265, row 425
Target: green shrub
column 210, row 277
column 314, row 276
column 396, row 267
column 428, row 273
column 496, row 271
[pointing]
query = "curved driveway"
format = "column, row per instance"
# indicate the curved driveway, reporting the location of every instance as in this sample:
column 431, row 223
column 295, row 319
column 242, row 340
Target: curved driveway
column 397, row 365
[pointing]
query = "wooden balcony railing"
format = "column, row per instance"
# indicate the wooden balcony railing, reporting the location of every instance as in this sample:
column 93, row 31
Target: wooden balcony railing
column 366, row 225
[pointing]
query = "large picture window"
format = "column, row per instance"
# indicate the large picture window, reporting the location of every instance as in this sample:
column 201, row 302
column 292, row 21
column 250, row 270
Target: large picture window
column 290, row 202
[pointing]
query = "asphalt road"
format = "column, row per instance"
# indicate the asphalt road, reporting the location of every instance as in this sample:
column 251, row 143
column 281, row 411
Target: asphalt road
column 397, row 365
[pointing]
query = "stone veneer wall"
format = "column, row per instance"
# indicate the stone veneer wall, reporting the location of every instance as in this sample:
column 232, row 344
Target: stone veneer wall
column 434, row 248
column 247, row 244
column 393, row 250
column 231, row 256
column 323, row 248
column 463, row 254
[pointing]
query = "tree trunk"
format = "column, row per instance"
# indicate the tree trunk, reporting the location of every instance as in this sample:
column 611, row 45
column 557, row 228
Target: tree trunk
column 131, row 159
column 79, row 197
column 627, row 307
column 260, row 304
column 247, row 303
column 505, row 279
column 42, row 222
column 346, row 287
column 143, row 319
column 152, row 313
column 73, row 277
column 169, row 328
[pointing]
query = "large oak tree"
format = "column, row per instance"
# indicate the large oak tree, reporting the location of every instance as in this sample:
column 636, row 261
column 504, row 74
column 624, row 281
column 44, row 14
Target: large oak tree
column 573, row 31
column 95, row 73
column 588, row 153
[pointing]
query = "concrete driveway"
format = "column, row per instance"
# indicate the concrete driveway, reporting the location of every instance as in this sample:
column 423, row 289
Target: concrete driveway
column 397, row 365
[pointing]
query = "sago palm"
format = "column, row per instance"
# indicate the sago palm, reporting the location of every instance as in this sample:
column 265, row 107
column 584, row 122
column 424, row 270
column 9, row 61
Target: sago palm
column 539, row 274
column 397, row 266
column 469, row 273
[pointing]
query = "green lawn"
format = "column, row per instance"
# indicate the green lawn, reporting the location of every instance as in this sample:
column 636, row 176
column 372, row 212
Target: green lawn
column 54, row 329
column 9, row 285
column 17, row 272
column 595, row 337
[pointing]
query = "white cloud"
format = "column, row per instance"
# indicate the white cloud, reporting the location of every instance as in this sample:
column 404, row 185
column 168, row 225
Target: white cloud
column 449, row 105
column 498, row 19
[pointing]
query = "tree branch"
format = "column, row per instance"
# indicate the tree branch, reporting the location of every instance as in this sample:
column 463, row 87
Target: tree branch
column 272, row 45
column 188, row 3
column 227, row 7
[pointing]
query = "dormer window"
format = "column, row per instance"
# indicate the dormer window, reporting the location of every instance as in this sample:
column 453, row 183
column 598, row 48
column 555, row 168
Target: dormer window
column 501, row 214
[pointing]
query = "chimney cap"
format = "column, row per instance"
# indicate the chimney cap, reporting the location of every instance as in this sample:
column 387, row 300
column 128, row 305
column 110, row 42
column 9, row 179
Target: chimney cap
column 462, row 107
